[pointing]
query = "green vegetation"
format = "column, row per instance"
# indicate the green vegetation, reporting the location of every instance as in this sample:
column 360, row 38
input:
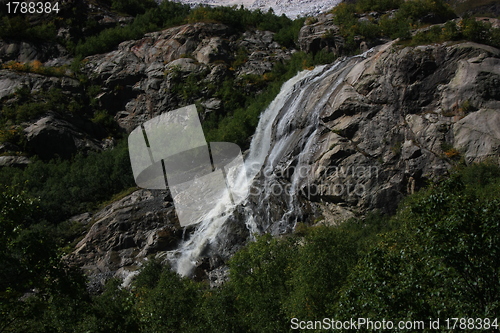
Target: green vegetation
column 467, row 29
column 168, row 14
column 239, row 116
column 446, row 252
column 26, row 106
column 19, row 27
column 34, row 283
column 408, row 15
column 70, row 187
column 23, row 106
column 438, row 257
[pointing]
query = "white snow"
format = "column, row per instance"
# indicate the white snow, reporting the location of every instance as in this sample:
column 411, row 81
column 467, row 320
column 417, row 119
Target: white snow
column 291, row 8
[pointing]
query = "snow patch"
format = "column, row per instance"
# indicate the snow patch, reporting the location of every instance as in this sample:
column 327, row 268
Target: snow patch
column 291, row 8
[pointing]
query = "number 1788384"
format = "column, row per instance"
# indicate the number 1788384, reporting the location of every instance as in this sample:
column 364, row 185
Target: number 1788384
column 32, row 7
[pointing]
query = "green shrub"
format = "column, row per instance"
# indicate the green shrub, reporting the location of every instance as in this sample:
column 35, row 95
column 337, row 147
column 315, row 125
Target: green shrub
column 395, row 28
column 33, row 279
column 475, row 31
column 167, row 14
column 364, row 6
column 111, row 311
column 169, row 306
column 287, row 35
column 467, row 29
column 19, row 27
column 133, row 7
column 259, row 275
column 323, row 262
column 446, row 251
column 409, row 15
column 418, row 10
column 71, row 187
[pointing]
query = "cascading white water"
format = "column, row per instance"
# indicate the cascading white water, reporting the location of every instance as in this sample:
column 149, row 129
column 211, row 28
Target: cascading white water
column 286, row 136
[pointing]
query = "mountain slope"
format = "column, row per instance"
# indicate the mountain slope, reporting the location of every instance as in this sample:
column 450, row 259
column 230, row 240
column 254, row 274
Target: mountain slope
column 291, row 8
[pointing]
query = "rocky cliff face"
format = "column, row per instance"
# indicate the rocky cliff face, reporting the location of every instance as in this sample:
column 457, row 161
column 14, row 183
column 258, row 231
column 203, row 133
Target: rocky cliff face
column 123, row 234
column 384, row 125
column 322, row 35
column 390, row 124
column 139, row 80
column 350, row 137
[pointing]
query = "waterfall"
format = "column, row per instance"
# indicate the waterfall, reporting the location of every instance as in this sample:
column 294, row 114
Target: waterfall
column 285, row 140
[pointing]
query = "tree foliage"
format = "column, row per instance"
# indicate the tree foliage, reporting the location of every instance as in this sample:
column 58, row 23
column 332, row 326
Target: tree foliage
column 437, row 257
column 442, row 262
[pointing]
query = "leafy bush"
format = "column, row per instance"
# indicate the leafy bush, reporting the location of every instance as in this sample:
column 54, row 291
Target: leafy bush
column 32, row 276
column 466, row 29
column 409, row 15
column 259, row 275
column 29, row 106
column 169, row 306
column 425, row 11
column 71, row 187
column 446, row 252
column 112, row 311
column 133, row 7
column 288, row 34
column 322, row 264
column 395, row 28
column 167, row 14
column 19, row 27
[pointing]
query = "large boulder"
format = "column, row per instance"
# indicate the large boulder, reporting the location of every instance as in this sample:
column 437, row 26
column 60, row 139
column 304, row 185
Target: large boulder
column 11, row 81
column 52, row 136
column 322, row 35
column 21, row 51
column 124, row 234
